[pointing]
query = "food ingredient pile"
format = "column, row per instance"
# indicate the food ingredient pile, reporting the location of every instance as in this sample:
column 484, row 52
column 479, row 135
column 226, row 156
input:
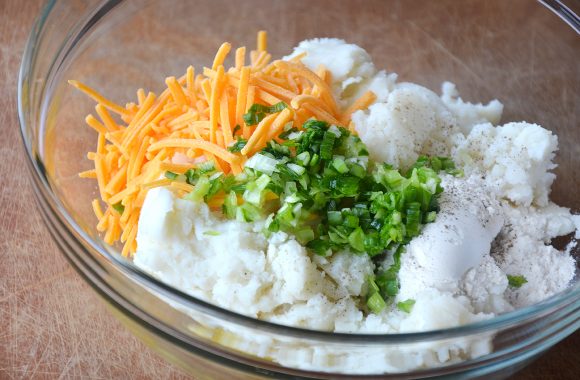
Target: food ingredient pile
column 318, row 192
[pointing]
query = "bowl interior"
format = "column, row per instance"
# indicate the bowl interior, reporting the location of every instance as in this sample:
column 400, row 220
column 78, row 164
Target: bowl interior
column 519, row 53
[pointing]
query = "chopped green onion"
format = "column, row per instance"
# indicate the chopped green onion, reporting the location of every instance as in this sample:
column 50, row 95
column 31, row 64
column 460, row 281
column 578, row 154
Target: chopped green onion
column 329, row 195
column 292, row 197
column 516, row 281
column 230, row 205
column 206, row 167
column 211, row 233
column 376, row 303
column 278, row 151
column 357, row 170
column 455, row 172
column 296, row 169
column 373, row 287
column 262, row 163
column 288, row 132
column 200, row 190
column 119, row 207
column 351, row 221
column 257, row 112
column 356, row 240
column 406, row 306
column 334, row 218
column 436, row 164
column 238, row 145
column 255, row 190
column 303, row 158
column 396, row 217
column 290, row 188
column 346, row 186
column 430, row 217
column 247, row 213
column 304, row 235
column 320, row 247
column 215, row 185
column 314, row 160
column 327, row 145
column 191, row 176
column 339, row 164
column 170, row 175
column 238, row 188
column 334, row 130
column 271, row 225
column 413, row 218
column 446, row 163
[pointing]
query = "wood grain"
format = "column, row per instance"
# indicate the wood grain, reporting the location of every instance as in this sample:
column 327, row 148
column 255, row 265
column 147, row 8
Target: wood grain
column 52, row 325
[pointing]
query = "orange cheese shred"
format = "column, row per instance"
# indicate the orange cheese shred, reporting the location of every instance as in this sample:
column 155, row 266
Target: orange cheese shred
column 106, row 118
column 225, row 121
column 196, row 118
column 196, row 144
column 241, row 100
column 361, row 103
column 262, row 40
column 261, row 129
column 240, row 57
column 221, row 55
column 99, row 98
column 216, row 91
column 97, row 209
column 141, row 96
column 190, row 85
column 95, row 124
column 176, row 91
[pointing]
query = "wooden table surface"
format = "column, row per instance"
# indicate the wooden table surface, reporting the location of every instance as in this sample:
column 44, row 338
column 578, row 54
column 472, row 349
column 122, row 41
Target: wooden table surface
column 52, row 325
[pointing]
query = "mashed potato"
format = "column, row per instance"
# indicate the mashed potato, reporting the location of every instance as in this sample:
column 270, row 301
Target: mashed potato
column 516, row 159
column 232, row 264
column 353, row 71
column 455, row 271
column 413, row 121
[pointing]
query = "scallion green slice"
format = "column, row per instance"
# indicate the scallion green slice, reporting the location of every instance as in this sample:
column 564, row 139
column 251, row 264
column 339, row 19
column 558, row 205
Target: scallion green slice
column 406, row 306
column 376, row 303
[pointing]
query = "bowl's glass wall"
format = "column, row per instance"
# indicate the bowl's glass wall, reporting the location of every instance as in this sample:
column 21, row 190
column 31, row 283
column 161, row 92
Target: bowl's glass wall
column 516, row 52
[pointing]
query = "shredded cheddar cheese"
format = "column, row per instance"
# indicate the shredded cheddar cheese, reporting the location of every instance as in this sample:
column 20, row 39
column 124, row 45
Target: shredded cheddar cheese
column 197, row 117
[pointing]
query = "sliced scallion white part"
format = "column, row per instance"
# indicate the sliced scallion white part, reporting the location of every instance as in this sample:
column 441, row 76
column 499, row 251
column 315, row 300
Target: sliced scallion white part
column 262, row 163
column 296, row 168
column 254, row 193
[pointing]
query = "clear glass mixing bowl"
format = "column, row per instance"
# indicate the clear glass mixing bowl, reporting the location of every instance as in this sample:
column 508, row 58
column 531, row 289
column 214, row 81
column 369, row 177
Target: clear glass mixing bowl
column 516, row 51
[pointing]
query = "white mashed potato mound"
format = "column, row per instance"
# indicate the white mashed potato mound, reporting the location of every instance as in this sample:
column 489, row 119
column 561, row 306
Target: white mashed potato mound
column 353, row 71
column 467, row 223
column 522, row 249
column 550, row 269
column 543, row 223
column 232, row 264
column 469, row 114
column 413, row 121
column 515, row 158
column 494, row 221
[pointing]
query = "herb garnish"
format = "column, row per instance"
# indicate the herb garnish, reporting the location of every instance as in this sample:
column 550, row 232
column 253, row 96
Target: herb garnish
column 319, row 185
column 516, row 281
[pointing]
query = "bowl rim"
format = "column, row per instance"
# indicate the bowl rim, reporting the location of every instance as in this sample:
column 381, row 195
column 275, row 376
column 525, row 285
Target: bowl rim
column 516, row 317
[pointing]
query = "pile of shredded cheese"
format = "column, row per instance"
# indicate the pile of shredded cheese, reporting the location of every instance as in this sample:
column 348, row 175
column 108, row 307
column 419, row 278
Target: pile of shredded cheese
column 198, row 116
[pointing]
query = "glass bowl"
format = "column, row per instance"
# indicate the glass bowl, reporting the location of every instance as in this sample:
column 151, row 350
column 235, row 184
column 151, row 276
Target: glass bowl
column 515, row 51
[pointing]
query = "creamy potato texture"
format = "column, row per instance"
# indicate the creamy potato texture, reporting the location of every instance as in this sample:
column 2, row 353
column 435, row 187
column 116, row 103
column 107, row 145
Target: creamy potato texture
column 494, row 221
